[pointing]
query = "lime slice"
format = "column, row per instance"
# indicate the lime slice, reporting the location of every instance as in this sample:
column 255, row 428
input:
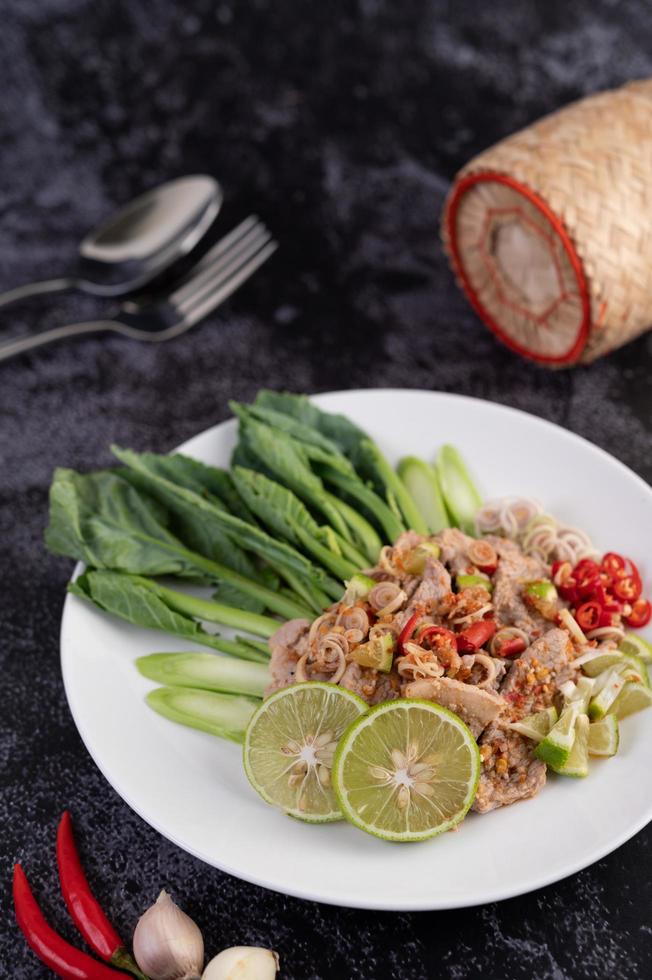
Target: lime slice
column 604, row 736
column 577, row 764
column 636, row 645
column 290, row 743
column 406, row 771
column 633, row 697
column 536, row 726
column 556, row 747
column 618, row 659
column 609, row 689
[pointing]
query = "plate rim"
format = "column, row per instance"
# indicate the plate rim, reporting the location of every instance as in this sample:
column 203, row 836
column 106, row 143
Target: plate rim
column 325, row 897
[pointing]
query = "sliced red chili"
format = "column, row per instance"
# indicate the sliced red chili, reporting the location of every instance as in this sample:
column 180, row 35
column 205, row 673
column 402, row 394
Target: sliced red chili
column 587, row 581
column 588, row 615
column 62, row 958
column 608, row 601
column 640, row 614
column 568, row 590
column 429, row 631
column 84, row 908
column 475, row 635
column 612, row 563
column 510, row 648
column 408, row 630
column 628, row 588
column 562, row 569
column 586, row 566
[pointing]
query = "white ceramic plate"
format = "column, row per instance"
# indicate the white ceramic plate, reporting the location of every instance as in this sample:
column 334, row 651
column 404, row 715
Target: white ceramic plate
column 191, row 787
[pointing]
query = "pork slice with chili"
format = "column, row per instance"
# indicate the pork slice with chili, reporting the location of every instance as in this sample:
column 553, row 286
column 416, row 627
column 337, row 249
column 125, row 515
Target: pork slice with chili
column 510, row 771
column 288, row 645
column 475, row 706
column 514, row 570
column 433, row 589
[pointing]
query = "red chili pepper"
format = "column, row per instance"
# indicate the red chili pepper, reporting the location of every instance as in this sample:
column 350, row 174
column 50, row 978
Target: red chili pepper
column 587, row 580
column 475, row 635
column 588, row 615
column 640, row 614
column 628, row 588
column 511, row 648
column 427, row 631
column 65, row 960
column 408, row 630
column 586, row 566
column 84, row 908
column 568, row 590
column 608, row 602
column 612, row 563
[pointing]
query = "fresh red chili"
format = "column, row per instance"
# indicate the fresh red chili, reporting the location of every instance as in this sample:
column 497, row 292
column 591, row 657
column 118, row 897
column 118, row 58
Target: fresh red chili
column 475, row 635
column 612, row 563
column 587, row 580
column 628, row 588
column 640, row 614
column 427, row 631
column 62, row 958
column 84, row 908
column 568, row 590
column 408, row 630
column 510, row 648
column 588, row 615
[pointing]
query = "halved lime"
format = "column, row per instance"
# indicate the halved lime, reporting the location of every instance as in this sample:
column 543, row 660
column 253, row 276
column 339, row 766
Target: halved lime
column 556, row 747
column 635, row 644
column 290, row 743
column 577, row 763
column 633, row 697
column 406, row 771
column 536, row 726
column 604, row 736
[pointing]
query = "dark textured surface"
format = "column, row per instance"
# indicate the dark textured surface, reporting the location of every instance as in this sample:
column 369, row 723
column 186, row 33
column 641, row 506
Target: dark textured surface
column 341, row 124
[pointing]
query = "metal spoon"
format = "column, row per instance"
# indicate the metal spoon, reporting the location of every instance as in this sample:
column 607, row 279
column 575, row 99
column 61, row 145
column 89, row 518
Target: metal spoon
column 139, row 242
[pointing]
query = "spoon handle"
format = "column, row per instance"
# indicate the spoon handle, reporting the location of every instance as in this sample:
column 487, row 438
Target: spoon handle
column 36, row 289
column 21, row 344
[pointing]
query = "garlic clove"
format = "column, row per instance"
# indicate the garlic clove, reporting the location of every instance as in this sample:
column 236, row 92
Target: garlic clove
column 243, row 963
column 168, row 945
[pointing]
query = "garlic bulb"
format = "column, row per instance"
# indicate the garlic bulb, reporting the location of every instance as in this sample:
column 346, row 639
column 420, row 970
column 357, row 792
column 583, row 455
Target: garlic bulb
column 242, row 963
column 167, row 943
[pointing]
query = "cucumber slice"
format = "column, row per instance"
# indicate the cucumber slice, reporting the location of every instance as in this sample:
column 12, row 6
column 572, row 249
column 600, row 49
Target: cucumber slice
column 208, row 671
column 459, row 492
column 224, row 715
column 423, row 486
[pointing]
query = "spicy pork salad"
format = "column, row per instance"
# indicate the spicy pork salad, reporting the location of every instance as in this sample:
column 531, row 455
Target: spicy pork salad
column 403, row 651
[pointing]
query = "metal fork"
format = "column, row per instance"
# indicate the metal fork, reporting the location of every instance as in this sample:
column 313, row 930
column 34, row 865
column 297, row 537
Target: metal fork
column 229, row 263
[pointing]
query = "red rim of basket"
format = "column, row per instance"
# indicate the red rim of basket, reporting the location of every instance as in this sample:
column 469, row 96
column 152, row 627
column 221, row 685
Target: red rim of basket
column 459, row 190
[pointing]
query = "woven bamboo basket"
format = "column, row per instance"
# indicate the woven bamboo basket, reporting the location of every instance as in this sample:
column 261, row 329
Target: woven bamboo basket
column 549, row 232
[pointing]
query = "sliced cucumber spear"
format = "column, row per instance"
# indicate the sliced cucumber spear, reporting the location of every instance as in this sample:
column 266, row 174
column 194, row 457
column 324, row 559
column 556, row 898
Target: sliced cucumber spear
column 422, row 484
column 224, row 715
column 460, row 494
column 208, row 671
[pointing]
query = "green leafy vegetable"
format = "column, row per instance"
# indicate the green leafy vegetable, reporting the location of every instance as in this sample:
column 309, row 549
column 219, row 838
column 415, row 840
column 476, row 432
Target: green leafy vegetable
column 383, row 475
column 126, row 597
column 102, row 520
column 207, row 514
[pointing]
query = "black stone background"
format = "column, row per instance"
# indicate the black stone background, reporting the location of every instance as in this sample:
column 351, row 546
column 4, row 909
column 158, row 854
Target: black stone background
column 341, row 124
